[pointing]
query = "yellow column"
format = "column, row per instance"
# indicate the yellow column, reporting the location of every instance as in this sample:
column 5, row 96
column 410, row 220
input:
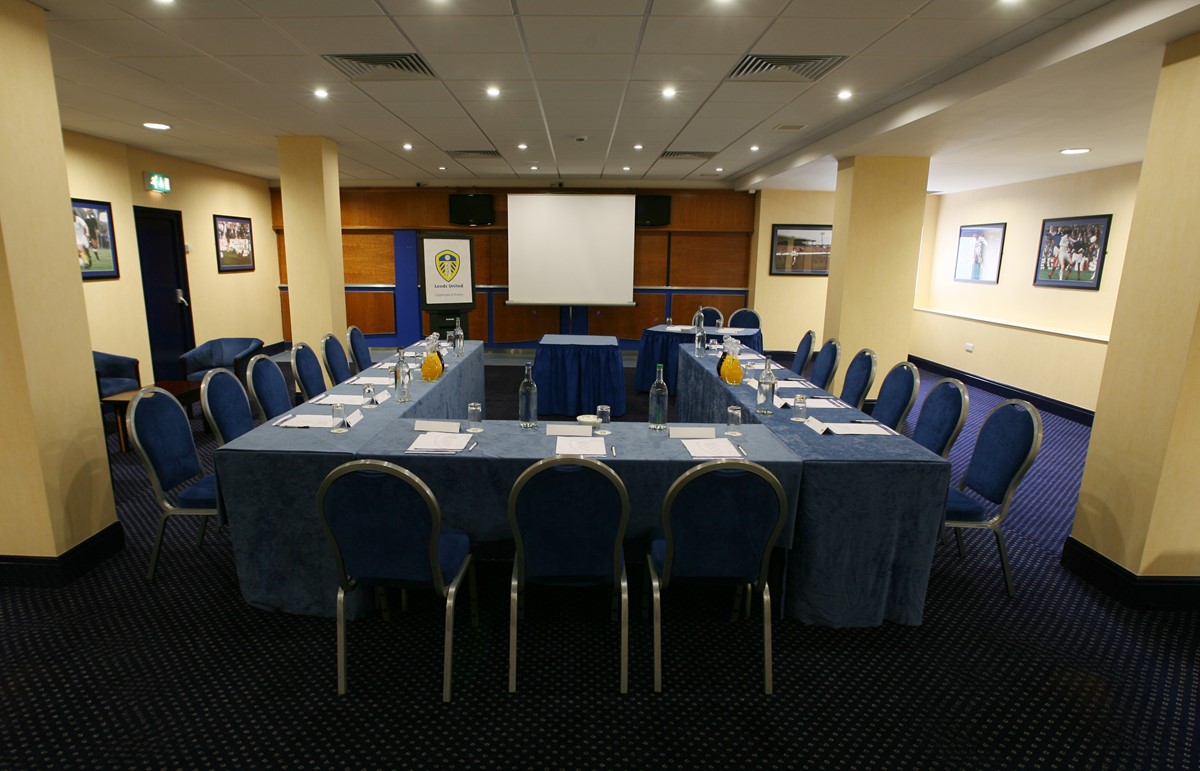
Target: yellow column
column 878, row 212
column 53, row 462
column 1138, row 503
column 312, row 236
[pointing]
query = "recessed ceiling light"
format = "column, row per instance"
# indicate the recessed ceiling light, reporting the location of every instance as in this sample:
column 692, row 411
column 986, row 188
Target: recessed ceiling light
column 158, row 126
column 845, row 94
column 493, row 91
column 637, row 147
column 624, row 168
column 1076, row 150
column 166, row 2
column 407, row 145
column 441, row 168
column 522, row 146
column 668, row 92
column 754, row 148
column 720, row 169
column 533, row 168
column 320, row 93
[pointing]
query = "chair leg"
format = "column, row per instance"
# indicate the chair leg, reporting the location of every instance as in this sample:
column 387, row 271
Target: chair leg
column 737, row 604
column 768, row 685
column 385, row 606
column 624, row 632
column 958, row 536
column 341, row 641
column 203, row 530
column 655, row 592
column 448, row 653
column 513, row 595
column 162, row 524
column 403, row 600
column 747, row 599
column 1004, row 562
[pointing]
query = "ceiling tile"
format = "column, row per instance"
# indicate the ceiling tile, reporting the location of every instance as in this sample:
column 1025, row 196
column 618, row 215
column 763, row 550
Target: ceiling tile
column 81, row 9
column 185, row 9
column 456, row 8
column 427, row 109
column 874, row 73
column 478, row 34
column 291, row 8
column 581, row 113
column 701, row 35
column 98, row 71
column 307, row 69
column 228, row 37
column 560, row 8
column 405, row 90
column 939, row 37
column 450, row 133
column 714, row 133
column 742, row 110
column 476, row 90
column 360, row 35
column 118, row 38
column 822, row 37
column 683, row 67
column 479, row 66
column 185, row 69
column 987, row 9
column 582, row 34
column 581, row 66
column 711, row 8
column 581, row 90
column 741, row 91
column 854, row 9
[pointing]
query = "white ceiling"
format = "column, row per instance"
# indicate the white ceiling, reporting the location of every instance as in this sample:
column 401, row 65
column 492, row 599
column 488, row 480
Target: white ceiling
column 990, row 90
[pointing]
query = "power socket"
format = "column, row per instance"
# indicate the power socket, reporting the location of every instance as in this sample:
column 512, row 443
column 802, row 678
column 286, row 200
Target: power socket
column 970, row 347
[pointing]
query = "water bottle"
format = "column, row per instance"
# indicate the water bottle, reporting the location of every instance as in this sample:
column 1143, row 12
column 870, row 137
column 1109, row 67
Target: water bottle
column 527, row 400
column 701, row 341
column 698, row 319
column 658, row 401
column 460, row 340
column 403, row 382
column 765, row 402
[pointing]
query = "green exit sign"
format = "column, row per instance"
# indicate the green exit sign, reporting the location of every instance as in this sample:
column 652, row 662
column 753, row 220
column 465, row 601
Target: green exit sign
column 159, row 183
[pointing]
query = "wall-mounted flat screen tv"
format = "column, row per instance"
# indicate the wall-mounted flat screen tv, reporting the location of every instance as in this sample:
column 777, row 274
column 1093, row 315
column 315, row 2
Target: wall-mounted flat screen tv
column 652, row 211
column 471, row 209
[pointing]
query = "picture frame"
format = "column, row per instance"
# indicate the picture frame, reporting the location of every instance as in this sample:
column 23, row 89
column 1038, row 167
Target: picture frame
column 800, row 250
column 95, row 244
column 235, row 243
column 1072, row 251
column 980, row 250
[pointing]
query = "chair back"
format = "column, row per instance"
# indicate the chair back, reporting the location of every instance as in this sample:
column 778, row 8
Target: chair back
column 942, row 416
column 745, row 317
column 712, row 316
column 825, row 365
column 162, row 435
column 225, row 405
column 1007, row 445
column 383, row 524
column 803, row 352
column 568, row 517
column 335, row 360
column 896, row 395
column 360, row 352
column 115, row 373
column 720, row 521
column 860, row 375
column 268, row 389
column 307, row 371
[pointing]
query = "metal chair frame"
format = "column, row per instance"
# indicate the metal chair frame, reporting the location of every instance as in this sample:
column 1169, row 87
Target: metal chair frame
column 517, row 584
column 254, row 400
column 207, row 410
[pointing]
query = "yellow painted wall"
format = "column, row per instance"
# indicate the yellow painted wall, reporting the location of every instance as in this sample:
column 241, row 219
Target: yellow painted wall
column 1047, row 340
column 788, row 305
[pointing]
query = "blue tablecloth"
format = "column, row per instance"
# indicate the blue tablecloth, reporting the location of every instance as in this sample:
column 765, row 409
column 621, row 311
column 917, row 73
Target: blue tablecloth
column 662, row 347
column 574, row 373
column 870, row 511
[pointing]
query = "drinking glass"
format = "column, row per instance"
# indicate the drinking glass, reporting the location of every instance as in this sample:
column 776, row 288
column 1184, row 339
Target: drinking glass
column 368, row 396
column 800, row 409
column 733, row 420
column 604, row 412
column 474, row 418
column 339, row 419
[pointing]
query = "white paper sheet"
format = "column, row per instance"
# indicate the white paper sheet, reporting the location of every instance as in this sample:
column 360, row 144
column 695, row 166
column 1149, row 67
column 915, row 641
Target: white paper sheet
column 822, row 403
column 679, row 328
column 858, row 428
column 580, row 445
column 730, row 330
column 437, row 426
column 568, row 429
column 308, row 421
column 711, row 448
column 353, row 418
column 793, row 384
column 436, row 442
column 349, row 399
column 693, row 432
column 370, row 380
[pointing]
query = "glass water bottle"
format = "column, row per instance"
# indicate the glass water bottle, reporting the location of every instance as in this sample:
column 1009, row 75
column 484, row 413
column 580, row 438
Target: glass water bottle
column 765, row 402
column 658, row 401
column 701, row 341
column 527, row 399
column 460, row 340
column 698, row 319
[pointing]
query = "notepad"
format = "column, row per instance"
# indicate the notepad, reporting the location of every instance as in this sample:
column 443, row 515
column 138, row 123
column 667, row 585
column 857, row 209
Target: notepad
column 370, row 380
column 825, row 403
column 307, row 421
column 337, row 399
column 439, row 443
column 679, row 328
column 692, row 432
column 708, row 449
column 580, row 445
column 437, row 426
column 858, row 428
column 567, row 429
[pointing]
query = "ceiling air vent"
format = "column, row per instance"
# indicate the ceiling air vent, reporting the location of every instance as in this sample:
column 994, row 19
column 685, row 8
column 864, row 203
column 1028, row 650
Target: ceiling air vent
column 381, row 66
column 686, row 155
column 790, row 127
column 792, row 68
column 474, row 153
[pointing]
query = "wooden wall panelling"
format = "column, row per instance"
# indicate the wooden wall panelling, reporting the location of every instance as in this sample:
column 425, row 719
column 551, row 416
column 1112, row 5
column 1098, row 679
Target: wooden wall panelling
column 650, row 258
column 369, row 258
column 710, row 259
column 629, row 323
column 515, row 323
column 499, row 258
column 285, row 312
column 276, row 208
column 712, row 210
column 372, row 312
column 683, row 306
column 282, row 258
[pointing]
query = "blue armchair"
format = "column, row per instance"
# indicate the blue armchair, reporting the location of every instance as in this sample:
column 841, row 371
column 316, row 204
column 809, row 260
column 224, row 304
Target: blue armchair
column 232, row 353
column 115, row 374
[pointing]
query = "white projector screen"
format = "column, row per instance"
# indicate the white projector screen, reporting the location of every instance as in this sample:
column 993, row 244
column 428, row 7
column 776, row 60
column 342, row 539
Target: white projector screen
column 570, row 249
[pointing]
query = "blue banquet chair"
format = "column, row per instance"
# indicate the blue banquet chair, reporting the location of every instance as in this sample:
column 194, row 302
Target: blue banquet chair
column 307, row 371
column 225, row 405
column 803, row 352
column 385, row 529
column 568, row 517
column 335, row 360
column 745, row 317
column 897, row 394
column 860, row 375
column 720, row 521
column 360, row 352
column 942, row 415
column 115, row 374
column 712, row 316
column 229, row 352
column 162, row 435
column 825, row 365
column 269, row 390
column 1007, row 445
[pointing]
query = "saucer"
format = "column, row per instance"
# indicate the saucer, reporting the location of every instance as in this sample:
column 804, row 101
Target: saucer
column 588, row 420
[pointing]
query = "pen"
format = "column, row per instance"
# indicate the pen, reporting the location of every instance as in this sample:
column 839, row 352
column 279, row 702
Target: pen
column 473, row 446
column 741, row 449
column 614, row 450
column 864, row 421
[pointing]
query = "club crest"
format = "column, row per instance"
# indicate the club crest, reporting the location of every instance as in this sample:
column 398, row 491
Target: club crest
column 448, row 263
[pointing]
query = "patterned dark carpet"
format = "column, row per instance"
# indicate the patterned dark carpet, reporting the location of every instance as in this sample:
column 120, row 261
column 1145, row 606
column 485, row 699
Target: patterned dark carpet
column 111, row 672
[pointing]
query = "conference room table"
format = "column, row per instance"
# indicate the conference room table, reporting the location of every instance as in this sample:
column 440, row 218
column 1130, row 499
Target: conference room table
column 660, row 345
column 574, row 373
column 871, row 506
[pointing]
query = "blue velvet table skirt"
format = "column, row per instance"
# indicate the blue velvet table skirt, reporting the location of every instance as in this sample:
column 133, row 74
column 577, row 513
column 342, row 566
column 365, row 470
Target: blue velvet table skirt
column 871, row 507
column 662, row 347
column 574, row 373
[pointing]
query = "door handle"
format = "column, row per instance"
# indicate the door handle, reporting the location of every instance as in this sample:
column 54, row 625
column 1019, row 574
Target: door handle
column 179, row 298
